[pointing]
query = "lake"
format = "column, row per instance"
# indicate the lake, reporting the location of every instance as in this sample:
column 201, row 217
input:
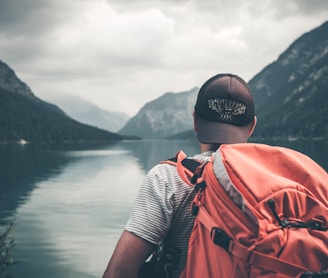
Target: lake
column 72, row 202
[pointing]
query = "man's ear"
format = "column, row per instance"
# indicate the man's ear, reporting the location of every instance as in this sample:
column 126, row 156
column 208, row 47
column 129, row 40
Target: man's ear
column 252, row 127
column 195, row 121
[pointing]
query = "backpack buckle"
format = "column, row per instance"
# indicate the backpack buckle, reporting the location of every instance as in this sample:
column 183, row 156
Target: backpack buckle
column 219, row 237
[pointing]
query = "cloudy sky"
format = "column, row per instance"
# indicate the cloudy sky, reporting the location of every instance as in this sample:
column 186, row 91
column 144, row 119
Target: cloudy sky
column 120, row 54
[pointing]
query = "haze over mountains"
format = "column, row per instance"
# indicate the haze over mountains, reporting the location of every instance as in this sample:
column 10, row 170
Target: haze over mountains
column 290, row 100
column 86, row 112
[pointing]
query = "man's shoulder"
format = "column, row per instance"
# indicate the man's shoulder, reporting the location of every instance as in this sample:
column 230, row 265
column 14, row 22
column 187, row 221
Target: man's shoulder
column 202, row 156
column 168, row 164
column 167, row 171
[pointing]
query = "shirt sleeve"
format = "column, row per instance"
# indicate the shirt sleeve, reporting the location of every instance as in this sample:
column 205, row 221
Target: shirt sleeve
column 153, row 209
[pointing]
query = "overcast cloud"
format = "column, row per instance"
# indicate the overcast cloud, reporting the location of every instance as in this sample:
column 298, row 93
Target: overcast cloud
column 121, row 54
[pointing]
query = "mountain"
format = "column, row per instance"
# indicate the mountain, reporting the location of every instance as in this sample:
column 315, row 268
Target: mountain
column 167, row 115
column 291, row 94
column 290, row 97
column 88, row 113
column 290, row 101
column 25, row 117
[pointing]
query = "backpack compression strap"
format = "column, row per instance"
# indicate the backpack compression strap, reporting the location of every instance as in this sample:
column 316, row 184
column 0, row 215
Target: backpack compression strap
column 220, row 238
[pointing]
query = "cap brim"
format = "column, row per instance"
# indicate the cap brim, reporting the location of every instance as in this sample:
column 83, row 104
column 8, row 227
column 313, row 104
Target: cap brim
column 209, row 132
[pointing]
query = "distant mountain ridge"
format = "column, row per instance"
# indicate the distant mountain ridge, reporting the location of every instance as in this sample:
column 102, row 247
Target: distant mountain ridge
column 171, row 113
column 290, row 97
column 26, row 118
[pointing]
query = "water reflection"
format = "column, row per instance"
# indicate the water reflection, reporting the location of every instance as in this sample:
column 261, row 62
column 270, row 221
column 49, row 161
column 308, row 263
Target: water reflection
column 20, row 169
column 150, row 152
column 71, row 202
column 71, row 211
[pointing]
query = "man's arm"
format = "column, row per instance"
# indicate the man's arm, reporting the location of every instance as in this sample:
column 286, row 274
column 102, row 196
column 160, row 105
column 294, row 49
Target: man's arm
column 130, row 253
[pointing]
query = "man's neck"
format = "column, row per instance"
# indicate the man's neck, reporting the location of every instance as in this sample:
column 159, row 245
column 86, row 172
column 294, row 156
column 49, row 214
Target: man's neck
column 208, row 147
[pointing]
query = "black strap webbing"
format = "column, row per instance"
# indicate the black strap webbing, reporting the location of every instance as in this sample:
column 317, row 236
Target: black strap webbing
column 189, row 163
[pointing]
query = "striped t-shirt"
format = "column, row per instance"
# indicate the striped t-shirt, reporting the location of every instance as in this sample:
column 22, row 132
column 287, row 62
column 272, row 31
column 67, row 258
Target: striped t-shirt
column 162, row 209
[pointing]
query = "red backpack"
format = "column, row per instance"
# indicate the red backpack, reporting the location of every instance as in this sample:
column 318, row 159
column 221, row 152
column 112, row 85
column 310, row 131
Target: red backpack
column 262, row 211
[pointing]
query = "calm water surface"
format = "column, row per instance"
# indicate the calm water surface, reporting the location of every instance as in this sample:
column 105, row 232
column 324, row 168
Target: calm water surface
column 71, row 203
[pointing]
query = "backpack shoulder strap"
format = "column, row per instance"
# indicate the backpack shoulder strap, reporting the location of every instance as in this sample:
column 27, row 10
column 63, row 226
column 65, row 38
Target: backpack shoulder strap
column 186, row 167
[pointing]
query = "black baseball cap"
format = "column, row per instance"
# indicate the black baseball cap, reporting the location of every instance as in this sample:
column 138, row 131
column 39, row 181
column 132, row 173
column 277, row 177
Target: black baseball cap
column 224, row 110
